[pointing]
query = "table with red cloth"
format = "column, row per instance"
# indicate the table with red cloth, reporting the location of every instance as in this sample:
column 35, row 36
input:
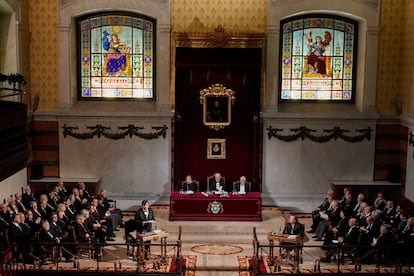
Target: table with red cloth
column 199, row 206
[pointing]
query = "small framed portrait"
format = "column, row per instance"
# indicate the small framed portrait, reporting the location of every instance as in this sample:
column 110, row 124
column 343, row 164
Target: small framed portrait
column 216, row 148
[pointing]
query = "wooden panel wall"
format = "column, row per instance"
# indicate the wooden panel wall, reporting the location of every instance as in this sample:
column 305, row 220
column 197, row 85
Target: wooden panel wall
column 390, row 153
column 45, row 146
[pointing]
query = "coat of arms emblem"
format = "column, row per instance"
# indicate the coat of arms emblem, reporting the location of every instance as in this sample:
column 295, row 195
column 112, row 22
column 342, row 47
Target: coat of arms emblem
column 215, row 207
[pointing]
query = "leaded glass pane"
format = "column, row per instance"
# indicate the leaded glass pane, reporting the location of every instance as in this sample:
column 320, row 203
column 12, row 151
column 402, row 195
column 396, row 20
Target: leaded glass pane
column 116, row 56
column 318, row 58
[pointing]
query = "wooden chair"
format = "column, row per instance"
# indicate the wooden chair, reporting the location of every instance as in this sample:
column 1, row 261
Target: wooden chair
column 130, row 240
column 248, row 185
column 47, row 251
column 350, row 253
column 195, row 181
column 212, row 177
column 81, row 248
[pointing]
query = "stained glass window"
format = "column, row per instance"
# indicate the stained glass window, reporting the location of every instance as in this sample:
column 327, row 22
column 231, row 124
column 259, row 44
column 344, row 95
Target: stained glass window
column 116, row 57
column 318, row 58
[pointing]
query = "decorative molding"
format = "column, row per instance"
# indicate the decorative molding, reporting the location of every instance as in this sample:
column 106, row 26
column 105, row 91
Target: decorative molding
column 370, row 3
column 165, row 3
column 333, row 134
column 162, row 2
column 99, row 131
column 274, row 3
column 63, row 2
column 220, row 38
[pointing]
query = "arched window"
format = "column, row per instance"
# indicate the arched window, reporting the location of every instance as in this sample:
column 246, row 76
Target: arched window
column 318, row 58
column 116, row 56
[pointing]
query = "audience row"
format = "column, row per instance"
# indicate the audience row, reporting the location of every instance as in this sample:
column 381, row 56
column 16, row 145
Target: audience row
column 55, row 217
column 368, row 229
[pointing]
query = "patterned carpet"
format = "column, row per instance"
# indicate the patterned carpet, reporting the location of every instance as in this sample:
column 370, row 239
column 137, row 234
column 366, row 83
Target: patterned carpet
column 245, row 268
column 169, row 265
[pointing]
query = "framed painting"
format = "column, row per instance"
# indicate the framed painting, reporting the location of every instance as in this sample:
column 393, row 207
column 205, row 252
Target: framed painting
column 216, row 148
column 217, row 102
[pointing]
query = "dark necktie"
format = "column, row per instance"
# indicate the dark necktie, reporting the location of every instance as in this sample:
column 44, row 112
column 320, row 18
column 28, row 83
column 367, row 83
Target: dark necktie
column 22, row 206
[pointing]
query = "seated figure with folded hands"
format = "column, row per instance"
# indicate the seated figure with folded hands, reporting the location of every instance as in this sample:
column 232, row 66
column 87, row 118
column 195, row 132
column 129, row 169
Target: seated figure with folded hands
column 189, row 186
column 241, row 187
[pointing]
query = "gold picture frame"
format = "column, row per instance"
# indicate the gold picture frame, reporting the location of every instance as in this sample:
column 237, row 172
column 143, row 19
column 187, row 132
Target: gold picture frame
column 216, row 148
column 217, row 101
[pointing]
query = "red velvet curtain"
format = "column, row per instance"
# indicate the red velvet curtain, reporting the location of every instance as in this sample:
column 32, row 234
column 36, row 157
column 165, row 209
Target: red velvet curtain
column 236, row 69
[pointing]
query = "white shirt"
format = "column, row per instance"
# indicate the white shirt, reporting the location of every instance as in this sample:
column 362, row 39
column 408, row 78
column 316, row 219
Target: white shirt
column 218, row 186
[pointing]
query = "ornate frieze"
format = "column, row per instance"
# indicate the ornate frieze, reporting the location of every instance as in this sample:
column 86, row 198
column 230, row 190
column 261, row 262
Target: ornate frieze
column 328, row 134
column 99, row 131
column 220, row 38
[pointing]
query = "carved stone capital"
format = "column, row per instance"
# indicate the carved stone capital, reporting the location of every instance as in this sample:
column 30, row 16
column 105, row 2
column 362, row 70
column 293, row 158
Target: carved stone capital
column 370, row 3
column 162, row 2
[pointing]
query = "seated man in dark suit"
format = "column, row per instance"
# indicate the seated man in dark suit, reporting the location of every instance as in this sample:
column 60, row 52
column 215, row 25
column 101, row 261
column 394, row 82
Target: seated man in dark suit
column 217, row 183
column 20, row 234
column 349, row 240
column 189, row 185
column 381, row 251
column 82, row 233
column 47, row 237
column 322, row 207
column 336, row 230
column 144, row 218
column 241, row 187
column 328, row 218
column 293, row 227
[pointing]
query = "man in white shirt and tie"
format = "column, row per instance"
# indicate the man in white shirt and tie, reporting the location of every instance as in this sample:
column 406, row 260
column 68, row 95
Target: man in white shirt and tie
column 242, row 186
